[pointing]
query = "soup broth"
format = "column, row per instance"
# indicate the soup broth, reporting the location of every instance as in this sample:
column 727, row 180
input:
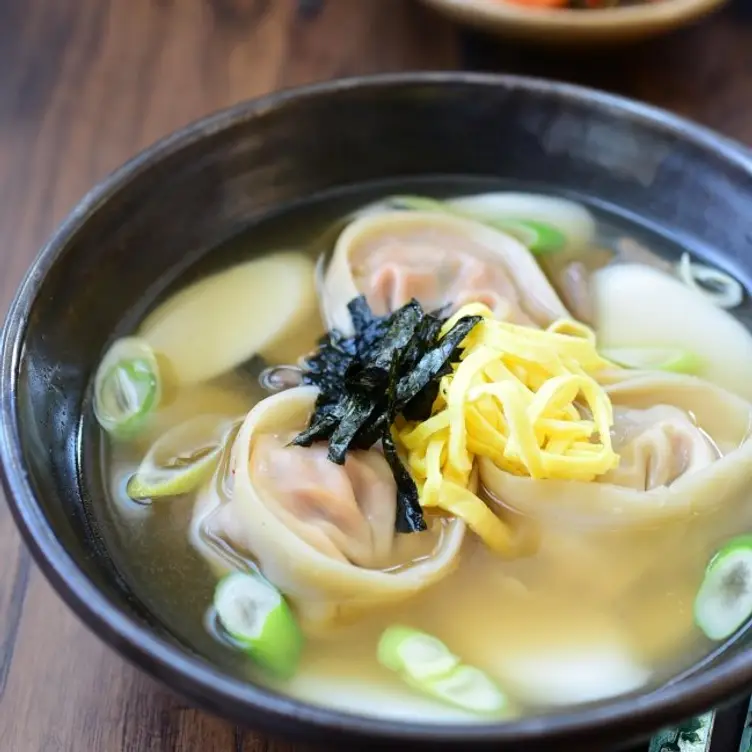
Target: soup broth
column 592, row 604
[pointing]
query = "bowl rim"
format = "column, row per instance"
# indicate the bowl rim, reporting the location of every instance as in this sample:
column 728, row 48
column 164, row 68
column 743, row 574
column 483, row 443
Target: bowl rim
column 662, row 13
column 193, row 676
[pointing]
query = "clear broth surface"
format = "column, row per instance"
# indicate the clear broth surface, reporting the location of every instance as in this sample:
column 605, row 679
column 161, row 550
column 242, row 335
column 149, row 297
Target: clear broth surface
column 637, row 587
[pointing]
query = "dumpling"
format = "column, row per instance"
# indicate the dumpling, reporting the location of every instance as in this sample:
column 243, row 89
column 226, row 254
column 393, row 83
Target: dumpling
column 322, row 533
column 684, row 447
column 441, row 260
column 656, row 446
column 345, row 511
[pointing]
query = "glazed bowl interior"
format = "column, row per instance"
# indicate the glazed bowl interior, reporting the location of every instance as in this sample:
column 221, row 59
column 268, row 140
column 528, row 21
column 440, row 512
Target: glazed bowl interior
column 135, row 233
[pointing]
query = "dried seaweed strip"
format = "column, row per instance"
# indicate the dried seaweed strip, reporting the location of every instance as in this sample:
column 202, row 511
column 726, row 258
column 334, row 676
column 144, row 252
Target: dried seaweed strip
column 433, row 363
column 358, row 408
column 409, row 518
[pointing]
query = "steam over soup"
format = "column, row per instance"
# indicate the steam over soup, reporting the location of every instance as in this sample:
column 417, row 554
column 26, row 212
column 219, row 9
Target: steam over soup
column 460, row 459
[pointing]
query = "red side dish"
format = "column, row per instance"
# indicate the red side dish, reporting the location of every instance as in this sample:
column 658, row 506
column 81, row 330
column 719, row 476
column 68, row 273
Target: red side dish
column 576, row 4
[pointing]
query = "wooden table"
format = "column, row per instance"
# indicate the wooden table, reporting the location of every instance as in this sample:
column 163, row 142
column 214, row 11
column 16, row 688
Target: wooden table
column 84, row 84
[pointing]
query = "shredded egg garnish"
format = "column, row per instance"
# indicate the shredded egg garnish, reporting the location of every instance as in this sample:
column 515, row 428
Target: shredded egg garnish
column 524, row 398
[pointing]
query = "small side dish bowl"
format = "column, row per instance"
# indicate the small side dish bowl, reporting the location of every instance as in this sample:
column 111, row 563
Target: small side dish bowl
column 130, row 237
column 568, row 27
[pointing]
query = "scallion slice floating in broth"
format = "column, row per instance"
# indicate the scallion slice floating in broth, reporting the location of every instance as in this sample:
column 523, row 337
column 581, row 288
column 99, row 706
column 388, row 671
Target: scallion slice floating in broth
column 546, row 223
column 539, row 237
column 126, row 387
column 421, row 655
column 420, row 203
column 256, row 616
column 717, row 286
column 675, row 360
column 426, row 664
column 468, row 688
column 506, row 213
column 724, row 601
column 181, row 459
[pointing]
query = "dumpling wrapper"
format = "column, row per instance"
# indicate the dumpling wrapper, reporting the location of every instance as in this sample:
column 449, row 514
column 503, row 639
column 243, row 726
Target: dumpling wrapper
column 723, row 417
column 307, row 550
column 265, row 307
column 441, row 260
column 345, row 511
column 656, row 446
column 569, row 267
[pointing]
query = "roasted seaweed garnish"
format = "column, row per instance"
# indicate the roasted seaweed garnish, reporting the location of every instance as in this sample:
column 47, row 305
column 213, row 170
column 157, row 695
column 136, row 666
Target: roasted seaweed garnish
column 409, row 514
column 390, row 365
column 409, row 517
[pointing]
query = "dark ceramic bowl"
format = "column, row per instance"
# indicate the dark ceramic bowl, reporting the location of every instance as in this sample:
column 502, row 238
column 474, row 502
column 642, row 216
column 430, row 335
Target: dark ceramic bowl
column 182, row 197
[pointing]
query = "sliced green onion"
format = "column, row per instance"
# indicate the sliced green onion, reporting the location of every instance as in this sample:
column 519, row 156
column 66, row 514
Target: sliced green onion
column 426, row 664
column 469, row 688
column 671, row 359
column 724, row 600
column 421, row 655
column 256, row 616
column 537, row 236
column 715, row 285
column 181, row 459
column 126, row 387
column 421, row 203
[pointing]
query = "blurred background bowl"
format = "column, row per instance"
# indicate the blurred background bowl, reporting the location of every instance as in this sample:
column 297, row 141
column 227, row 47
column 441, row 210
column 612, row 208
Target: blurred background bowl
column 565, row 26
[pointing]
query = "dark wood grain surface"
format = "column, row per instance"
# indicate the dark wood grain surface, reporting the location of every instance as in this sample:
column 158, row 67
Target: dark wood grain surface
column 84, row 84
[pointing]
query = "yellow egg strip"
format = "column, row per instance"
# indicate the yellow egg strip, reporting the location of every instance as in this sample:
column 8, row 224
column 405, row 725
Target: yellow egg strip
column 524, row 398
column 463, row 503
column 418, row 435
column 463, row 379
column 573, row 329
column 434, row 478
